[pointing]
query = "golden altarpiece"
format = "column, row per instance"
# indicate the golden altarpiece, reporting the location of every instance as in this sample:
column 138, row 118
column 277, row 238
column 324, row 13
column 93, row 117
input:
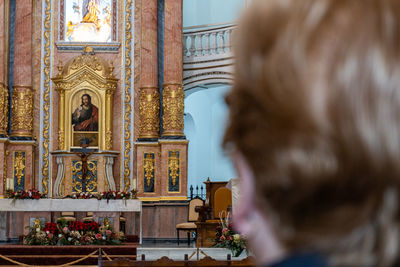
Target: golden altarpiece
column 62, row 102
column 85, row 81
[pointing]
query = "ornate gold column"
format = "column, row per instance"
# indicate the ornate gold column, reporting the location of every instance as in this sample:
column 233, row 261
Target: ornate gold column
column 109, row 118
column 61, row 120
column 3, row 69
column 173, row 95
column 149, row 98
column 149, row 110
column 22, row 110
column 173, row 106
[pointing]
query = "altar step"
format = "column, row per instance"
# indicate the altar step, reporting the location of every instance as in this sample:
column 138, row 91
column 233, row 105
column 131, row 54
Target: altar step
column 179, row 253
column 59, row 255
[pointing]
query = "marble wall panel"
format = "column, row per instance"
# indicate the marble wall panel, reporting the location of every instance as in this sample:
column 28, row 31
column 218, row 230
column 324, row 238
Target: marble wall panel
column 23, row 43
column 180, row 146
column 36, row 66
column 142, row 148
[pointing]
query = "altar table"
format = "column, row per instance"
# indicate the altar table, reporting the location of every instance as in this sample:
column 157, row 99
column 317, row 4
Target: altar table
column 75, row 205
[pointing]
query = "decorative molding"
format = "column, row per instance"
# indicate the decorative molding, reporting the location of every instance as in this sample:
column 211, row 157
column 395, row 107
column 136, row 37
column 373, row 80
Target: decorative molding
column 91, row 179
column 109, row 173
column 45, row 119
column 126, row 184
column 57, row 191
column 98, row 47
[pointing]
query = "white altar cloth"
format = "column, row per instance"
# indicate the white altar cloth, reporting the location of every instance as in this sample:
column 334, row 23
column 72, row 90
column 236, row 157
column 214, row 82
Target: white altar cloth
column 94, row 205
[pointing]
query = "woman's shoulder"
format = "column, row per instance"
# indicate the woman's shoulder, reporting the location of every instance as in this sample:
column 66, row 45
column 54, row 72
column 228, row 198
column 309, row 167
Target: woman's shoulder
column 302, row 260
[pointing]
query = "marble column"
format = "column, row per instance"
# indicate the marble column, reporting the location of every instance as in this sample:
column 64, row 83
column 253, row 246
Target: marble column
column 149, row 98
column 173, row 95
column 3, row 72
column 22, row 97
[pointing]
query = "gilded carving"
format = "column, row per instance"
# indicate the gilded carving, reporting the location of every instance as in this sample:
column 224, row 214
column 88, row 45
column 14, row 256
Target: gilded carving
column 19, row 166
column 173, row 171
column 149, row 170
column 22, row 107
column 87, row 59
column 61, row 139
column 3, row 109
column 5, row 170
column 109, row 140
column 46, row 95
column 91, row 178
column 127, row 99
column 79, row 77
column 173, row 105
column 149, row 110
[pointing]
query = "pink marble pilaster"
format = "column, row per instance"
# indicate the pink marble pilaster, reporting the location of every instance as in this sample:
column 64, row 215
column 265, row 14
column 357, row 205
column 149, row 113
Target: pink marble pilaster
column 149, row 97
column 173, row 61
column 149, row 66
column 2, row 41
column 173, row 95
column 23, row 43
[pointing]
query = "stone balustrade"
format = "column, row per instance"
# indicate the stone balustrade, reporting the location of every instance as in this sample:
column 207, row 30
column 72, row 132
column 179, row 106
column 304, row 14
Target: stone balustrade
column 207, row 55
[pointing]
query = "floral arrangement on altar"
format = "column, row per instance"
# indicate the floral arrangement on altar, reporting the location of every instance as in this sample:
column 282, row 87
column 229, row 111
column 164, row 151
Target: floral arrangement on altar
column 25, row 194
column 73, row 233
column 226, row 237
column 105, row 195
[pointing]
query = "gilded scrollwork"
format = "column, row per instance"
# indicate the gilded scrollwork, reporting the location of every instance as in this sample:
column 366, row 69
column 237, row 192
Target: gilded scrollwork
column 127, row 95
column 19, row 166
column 91, row 179
column 109, row 140
column 173, row 106
column 173, row 171
column 149, row 169
column 3, row 109
column 61, row 139
column 149, row 110
column 46, row 94
column 22, row 107
column 89, row 60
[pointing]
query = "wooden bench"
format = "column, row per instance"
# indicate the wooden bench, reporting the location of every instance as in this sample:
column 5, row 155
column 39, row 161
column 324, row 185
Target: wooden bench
column 167, row 262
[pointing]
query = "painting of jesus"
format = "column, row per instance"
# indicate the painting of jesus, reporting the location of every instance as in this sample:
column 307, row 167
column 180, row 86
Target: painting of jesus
column 86, row 116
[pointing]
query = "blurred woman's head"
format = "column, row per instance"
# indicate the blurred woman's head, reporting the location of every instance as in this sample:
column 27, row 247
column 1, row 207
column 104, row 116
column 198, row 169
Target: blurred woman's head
column 315, row 115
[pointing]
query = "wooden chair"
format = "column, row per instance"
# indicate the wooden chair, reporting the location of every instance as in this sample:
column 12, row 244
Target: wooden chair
column 193, row 215
column 222, row 202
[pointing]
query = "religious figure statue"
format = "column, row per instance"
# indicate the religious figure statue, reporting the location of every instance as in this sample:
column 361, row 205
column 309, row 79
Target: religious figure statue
column 92, row 11
column 86, row 116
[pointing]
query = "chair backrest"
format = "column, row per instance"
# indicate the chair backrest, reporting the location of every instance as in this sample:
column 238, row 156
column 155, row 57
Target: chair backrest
column 193, row 215
column 222, row 200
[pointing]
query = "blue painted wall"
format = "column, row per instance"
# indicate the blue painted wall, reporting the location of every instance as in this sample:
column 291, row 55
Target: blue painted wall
column 201, row 12
column 205, row 122
column 205, row 109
